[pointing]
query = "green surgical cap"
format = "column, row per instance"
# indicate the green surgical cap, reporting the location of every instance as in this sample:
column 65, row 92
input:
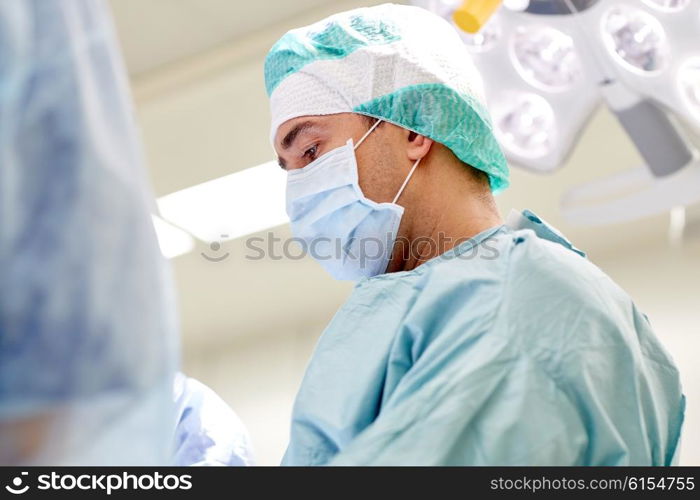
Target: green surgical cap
column 402, row 64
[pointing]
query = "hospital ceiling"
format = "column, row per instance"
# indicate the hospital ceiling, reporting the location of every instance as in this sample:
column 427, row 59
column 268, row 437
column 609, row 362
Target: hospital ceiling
column 159, row 32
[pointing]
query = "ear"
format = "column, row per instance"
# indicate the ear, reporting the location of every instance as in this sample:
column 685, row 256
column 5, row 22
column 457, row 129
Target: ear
column 418, row 146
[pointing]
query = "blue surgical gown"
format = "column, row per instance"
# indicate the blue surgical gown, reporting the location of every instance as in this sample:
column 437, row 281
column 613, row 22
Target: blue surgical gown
column 510, row 349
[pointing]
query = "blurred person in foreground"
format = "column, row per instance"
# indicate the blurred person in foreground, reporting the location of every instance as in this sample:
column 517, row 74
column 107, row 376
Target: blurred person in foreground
column 88, row 330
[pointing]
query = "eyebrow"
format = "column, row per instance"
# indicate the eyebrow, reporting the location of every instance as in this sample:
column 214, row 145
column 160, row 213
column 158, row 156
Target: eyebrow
column 292, row 136
column 294, row 133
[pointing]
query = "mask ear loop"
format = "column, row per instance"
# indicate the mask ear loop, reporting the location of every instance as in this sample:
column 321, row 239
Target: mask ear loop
column 408, row 178
column 379, row 120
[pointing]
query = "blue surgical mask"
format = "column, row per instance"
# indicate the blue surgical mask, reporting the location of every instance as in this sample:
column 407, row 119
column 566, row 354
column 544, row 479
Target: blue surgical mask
column 350, row 235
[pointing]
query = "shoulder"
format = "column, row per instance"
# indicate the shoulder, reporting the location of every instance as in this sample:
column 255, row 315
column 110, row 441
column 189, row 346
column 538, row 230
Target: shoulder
column 540, row 271
column 555, row 300
column 517, row 283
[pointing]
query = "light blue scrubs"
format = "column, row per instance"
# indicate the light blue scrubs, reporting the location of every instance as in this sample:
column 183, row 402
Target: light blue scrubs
column 510, row 349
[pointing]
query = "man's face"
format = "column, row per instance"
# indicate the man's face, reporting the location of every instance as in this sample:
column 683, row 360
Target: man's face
column 381, row 158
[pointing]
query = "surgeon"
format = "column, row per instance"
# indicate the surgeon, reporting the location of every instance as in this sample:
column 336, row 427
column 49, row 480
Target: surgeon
column 467, row 340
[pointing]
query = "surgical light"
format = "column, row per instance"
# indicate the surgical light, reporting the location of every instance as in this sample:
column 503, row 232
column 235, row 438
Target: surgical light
column 484, row 40
column 528, row 126
column 547, row 65
column 635, row 37
column 545, row 57
column 668, row 5
column 689, row 84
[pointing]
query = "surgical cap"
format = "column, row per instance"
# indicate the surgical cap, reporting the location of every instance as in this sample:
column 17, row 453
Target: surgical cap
column 402, row 64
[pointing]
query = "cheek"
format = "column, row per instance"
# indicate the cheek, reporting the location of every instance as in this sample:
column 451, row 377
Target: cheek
column 378, row 174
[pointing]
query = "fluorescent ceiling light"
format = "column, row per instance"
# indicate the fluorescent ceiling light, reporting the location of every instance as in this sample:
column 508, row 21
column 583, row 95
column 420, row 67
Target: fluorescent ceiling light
column 172, row 241
column 229, row 207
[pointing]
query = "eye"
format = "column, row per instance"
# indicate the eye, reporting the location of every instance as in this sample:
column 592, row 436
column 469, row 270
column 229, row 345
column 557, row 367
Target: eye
column 311, row 152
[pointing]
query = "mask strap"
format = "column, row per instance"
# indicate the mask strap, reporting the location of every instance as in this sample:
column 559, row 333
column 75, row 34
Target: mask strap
column 379, row 120
column 408, row 177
